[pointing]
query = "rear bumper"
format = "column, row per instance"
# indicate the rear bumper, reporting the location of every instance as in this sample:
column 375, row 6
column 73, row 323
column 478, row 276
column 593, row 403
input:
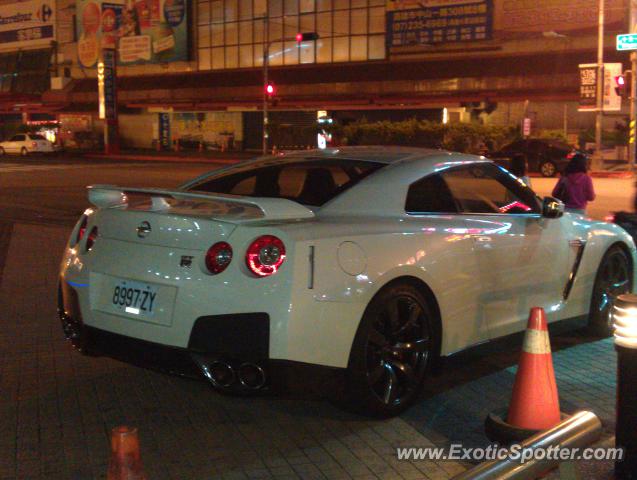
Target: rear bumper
column 232, row 339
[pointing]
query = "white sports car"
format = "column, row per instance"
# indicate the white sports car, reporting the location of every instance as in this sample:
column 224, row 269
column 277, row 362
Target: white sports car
column 370, row 261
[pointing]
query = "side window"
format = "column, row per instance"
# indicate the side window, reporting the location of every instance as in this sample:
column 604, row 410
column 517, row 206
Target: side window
column 17, row 138
column 486, row 188
column 430, row 195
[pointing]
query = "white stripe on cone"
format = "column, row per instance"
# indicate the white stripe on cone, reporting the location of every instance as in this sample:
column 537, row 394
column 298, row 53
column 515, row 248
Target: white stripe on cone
column 536, row 342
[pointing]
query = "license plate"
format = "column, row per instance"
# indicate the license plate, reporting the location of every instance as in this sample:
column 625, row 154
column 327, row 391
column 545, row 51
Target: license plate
column 134, row 298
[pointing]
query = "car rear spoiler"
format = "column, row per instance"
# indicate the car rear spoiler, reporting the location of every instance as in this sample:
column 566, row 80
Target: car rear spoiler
column 232, row 206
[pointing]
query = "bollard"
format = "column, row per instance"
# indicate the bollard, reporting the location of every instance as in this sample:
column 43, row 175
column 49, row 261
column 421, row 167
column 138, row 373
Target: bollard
column 625, row 323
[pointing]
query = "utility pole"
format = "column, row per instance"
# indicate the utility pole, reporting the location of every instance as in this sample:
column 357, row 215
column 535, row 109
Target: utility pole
column 266, row 58
column 633, row 83
column 597, row 160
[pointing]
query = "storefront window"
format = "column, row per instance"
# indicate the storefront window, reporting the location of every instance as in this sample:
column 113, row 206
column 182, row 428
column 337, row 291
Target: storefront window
column 230, row 32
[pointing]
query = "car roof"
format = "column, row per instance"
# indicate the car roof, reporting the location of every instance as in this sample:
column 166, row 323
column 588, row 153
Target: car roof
column 378, row 154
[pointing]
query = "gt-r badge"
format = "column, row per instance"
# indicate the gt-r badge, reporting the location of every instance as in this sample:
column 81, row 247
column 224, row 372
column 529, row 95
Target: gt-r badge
column 186, row 261
column 143, row 229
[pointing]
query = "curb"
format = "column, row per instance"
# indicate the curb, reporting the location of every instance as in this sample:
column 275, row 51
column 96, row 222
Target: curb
column 158, row 158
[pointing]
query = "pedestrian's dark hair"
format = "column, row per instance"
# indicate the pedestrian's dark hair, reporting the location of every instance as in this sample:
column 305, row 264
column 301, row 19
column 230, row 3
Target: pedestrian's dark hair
column 577, row 164
column 518, row 165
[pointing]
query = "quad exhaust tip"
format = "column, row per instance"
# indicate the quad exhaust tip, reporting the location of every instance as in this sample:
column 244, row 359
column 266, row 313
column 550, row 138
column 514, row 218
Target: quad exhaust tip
column 251, row 376
column 222, row 375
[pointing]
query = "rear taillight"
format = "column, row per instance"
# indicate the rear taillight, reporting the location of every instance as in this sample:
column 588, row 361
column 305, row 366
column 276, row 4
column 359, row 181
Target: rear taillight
column 34, row 144
column 90, row 241
column 265, row 255
column 218, row 257
column 82, row 230
column 610, row 218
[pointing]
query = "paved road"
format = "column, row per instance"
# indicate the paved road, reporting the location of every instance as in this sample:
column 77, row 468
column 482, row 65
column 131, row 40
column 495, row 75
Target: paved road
column 52, row 189
column 57, row 407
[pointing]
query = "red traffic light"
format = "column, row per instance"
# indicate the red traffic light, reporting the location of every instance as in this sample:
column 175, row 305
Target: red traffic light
column 270, row 90
column 306, row 37
column 620, row 85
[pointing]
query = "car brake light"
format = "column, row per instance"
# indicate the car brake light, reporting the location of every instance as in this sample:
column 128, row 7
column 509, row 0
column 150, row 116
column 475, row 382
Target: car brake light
column 265, row 255
column 34, row 144
column 610, row 218
column 82, row 230
column 90, row 241
column 218, row 257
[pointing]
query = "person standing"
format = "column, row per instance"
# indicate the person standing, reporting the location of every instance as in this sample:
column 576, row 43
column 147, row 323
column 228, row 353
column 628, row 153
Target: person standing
column 575, row 186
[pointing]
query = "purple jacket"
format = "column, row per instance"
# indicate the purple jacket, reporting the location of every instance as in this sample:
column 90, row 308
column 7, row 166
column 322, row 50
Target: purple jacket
column 578, row 190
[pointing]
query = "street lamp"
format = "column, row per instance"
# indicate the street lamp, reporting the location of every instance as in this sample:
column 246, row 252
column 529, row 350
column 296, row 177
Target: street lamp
column 625, row 326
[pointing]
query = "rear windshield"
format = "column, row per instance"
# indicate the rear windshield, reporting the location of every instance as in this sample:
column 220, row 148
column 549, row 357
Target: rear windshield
column 307, row 181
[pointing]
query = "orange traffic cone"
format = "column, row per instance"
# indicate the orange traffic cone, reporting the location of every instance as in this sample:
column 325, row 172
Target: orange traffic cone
column 535, row 404
column 125, row 462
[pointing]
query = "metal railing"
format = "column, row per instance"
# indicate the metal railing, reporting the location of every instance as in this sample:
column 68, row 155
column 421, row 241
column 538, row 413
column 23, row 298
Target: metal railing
column 577, row 431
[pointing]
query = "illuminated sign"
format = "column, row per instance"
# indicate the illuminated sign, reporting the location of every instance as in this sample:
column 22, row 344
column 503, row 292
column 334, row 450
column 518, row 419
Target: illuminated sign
column 27, row 24
column 143, row 31
column 440, row 23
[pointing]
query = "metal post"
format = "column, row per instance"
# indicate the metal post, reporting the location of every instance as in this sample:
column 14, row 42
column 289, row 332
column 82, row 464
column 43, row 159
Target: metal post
column 266, row 57
column 625, row 327
column 578, row 431
column 600, row 86
column 633, row 82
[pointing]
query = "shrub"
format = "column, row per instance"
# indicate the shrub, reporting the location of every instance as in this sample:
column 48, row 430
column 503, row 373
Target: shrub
column 462, row 137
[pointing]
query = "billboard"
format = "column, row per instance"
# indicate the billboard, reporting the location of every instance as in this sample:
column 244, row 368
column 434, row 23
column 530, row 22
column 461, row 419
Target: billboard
column 27, row 24
column 588, row 87
column 142, row 31
column 438, row 21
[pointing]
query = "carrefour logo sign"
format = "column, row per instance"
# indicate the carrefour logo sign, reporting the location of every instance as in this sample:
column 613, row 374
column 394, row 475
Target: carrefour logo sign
column 27, row 23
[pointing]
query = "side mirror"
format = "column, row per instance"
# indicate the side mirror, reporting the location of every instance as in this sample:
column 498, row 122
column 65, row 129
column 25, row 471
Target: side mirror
column 552, row 207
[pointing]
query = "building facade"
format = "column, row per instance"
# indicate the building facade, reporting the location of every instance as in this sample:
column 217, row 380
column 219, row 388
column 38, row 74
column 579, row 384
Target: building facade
column 193, row 70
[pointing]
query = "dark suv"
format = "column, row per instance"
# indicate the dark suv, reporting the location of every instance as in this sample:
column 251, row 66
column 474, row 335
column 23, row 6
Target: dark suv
column 548, row 157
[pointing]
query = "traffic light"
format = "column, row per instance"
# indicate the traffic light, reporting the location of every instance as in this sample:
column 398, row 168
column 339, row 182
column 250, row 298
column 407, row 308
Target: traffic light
column 270, row 90
column 621, row 85
column 306, row 37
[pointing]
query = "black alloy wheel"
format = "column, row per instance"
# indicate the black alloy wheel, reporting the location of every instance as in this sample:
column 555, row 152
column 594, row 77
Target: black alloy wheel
column 614, row 277
column 391, row 352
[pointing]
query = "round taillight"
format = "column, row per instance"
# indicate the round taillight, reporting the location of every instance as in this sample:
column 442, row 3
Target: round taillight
column 82, row 230
column 218, row 257
column 90, row 241
column 265, row 255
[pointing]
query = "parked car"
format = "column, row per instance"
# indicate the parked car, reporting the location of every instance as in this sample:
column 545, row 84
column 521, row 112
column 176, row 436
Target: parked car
column 547, row 157
column 26, row 143
column 369, row 262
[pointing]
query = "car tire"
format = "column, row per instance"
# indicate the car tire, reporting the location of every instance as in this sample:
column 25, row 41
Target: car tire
column 391, row 353
column 614, row 277
column 548, row 168
column 24, row 152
